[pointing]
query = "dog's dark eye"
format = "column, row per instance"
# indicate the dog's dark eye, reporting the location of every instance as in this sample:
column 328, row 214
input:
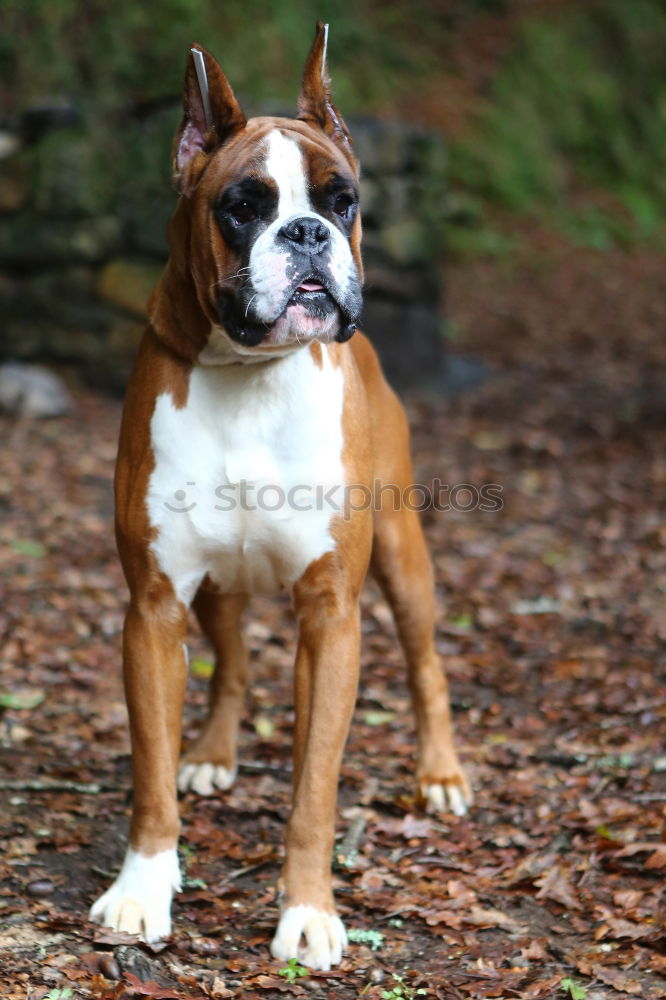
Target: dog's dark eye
column 242, row 212
column 343, row 206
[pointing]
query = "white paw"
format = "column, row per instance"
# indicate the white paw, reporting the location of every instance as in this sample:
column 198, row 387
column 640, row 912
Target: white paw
column 324, row 937
column 139, row 901
column 205, row 779
column 441, row 798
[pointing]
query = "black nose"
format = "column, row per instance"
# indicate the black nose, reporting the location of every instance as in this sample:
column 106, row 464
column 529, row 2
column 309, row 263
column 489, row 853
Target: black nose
column 309, row 234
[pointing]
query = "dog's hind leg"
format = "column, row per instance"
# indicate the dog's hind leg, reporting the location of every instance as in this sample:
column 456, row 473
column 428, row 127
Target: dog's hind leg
column 401, row 565
column 210, row 763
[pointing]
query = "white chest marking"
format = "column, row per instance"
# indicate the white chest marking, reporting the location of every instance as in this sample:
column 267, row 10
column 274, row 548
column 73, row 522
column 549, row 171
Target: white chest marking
column 243, row 471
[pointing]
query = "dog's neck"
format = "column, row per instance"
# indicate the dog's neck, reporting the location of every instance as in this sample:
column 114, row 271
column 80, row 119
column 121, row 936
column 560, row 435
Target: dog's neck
column 174, row 309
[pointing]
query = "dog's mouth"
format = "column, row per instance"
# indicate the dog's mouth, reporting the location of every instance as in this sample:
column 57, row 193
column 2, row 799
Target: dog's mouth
column 313, row 297
column 310, row 311
column 310, row 287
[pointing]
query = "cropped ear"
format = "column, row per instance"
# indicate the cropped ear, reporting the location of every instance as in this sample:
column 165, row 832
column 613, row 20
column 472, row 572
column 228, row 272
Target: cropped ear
column 315, row 104
column 211, row 115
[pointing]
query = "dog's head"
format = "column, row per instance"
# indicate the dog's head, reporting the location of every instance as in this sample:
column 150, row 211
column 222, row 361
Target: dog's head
column 273, row 227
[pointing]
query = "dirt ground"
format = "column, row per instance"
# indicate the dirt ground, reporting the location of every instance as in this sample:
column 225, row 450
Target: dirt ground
column 553, row 632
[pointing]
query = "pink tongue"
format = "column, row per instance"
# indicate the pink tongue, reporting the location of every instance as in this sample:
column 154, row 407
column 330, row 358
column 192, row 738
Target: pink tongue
column 310, row 286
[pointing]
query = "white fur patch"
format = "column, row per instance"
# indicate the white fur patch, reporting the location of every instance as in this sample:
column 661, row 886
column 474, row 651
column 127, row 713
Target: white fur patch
column 442, row 798
column 241, row 472
column 205, row 778
column 139, row 901
column 268, row 259
column 315, row 938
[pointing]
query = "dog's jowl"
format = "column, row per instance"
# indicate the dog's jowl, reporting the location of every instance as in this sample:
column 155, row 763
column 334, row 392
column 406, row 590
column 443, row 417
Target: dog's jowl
column 253, row 414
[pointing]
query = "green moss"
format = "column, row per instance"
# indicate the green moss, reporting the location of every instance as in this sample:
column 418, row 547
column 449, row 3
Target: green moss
column 578, row 105
column 124, row 51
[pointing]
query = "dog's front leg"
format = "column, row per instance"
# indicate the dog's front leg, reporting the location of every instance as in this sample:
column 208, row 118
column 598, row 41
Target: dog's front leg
column 326, row 679
column 139, row 901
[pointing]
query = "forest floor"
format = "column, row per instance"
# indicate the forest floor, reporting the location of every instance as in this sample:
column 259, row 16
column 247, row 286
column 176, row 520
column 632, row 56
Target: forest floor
column 552, row 629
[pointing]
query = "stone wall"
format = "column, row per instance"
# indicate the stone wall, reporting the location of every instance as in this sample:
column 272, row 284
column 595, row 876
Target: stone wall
column 83, row 211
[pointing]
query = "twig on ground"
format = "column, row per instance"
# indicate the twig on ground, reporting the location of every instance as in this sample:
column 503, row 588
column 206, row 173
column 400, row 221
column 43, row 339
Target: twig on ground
column 51, row 785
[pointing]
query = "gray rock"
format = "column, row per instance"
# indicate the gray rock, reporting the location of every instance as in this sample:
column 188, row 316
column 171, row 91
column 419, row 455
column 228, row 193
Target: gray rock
column 9, row 144
column 408, row 339
column 85, row 204
column 47, row 114
column 405, row 241
column 371, row 202
column 396, row 199
column 32, row 391
column 147, row 225
column 30, row 240
column 382, row 147
column 384, row 277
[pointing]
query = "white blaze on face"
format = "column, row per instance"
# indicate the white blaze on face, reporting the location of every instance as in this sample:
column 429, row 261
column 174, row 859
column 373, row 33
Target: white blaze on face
column 270, row 257
column 284, row 164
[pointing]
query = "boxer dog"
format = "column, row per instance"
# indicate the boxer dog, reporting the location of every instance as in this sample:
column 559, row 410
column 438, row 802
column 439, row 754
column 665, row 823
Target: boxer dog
column 248, row 380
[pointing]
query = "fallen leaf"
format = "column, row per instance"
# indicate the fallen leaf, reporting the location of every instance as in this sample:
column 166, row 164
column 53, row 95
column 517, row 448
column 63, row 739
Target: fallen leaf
column 535, row 950
column 27, row 547
column 656, row 853
column 201, row 668
column 219, row 991
column 627, row 929
column 627, row 899
column 556, row 885
column 414, row 828
column 279, row 984
column 378, row 718
column 150, row 988
column 25, row 698
column 264, row 727
column 480, row 917
column 618, row 980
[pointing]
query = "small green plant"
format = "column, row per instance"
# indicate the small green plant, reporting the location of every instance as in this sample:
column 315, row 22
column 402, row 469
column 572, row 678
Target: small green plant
column 360, row 936
column 293, row 971
column 57, row 994
column 401, row 990
column 571, row 987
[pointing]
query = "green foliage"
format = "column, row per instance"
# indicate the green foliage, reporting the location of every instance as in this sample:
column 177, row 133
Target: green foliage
column 401, row 990
column 26, row 699
column 578, row 105
column 293, row 971
column 28, row 547
column 575, row 991
column 124, row 52
column 371, row 937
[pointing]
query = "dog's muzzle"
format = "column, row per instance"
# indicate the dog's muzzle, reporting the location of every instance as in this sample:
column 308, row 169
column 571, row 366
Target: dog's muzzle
column 303, row 250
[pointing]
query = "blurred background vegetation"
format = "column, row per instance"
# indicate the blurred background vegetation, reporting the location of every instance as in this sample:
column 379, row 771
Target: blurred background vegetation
column 553, row 110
